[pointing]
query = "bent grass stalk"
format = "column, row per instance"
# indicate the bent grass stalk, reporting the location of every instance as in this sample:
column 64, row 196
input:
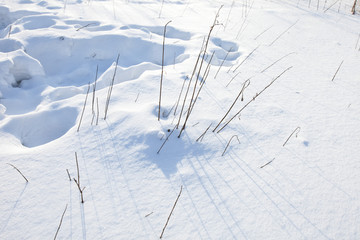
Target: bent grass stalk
column 229, row 144
column 18, row 172
column 296, row 131
column 162, row 69
column 245, row 85
column 253, row 99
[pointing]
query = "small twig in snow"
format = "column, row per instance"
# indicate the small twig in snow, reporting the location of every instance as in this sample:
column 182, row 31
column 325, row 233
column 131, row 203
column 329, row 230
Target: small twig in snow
column 337, row 70
column 229, row 144
column 167, row 221
column 62, row 216
column 297, row 130
column 267, row 163
column 18, row 171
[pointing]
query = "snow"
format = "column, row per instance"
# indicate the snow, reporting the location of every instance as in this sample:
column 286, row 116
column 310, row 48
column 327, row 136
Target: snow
column 133, row 166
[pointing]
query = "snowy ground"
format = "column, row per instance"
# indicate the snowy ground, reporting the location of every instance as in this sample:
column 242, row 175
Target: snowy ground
column 258, row 189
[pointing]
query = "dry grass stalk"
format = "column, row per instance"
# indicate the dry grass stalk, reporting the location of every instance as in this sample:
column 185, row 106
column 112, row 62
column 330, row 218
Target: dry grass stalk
column 81, row 190
column 111, row 88
column 241, row 93
column 62, row 216
column 89, row 24
column 357, row 42
column 162, row 69
column 245, row 58
column 82, row 113
column 68, row 174
column 206, row 73
column 297, row 130
column 198, row 75
column 18, row 171
column 232, row 79
column 222, row 63
column 227, row 19
column 353, row 9
column 253, row 99
column 97, row 111
column 277, row 61
column 203, row 134
column 182, row 88
column 267, row 163
column 330, row 6
column 167, row 138
column 229, row 144
column 94, row 89
column 263, row 32
column 188, row 87
column 278, row 37
column 337, row 70
column 167, row 221
column 149, row 214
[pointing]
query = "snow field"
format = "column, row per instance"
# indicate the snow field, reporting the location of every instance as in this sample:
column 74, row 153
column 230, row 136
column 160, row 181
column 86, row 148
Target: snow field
column 309, row 190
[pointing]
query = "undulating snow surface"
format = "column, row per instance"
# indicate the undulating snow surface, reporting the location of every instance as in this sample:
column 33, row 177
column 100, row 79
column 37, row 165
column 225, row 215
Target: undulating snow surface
column 286, row 167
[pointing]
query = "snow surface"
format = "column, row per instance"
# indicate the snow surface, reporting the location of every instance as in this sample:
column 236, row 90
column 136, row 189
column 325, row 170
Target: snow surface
column 258, row 189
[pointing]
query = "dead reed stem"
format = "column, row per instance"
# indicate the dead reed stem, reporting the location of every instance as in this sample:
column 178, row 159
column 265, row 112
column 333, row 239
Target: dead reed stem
column 111, row 88
column 297, row 130
column 167, row 221
column 18, row 171
column 337, row 70
column 62, row 216
column 245, row 85
column 162, row 68
column 229, row 144
column 82, row 113
column 253, row 99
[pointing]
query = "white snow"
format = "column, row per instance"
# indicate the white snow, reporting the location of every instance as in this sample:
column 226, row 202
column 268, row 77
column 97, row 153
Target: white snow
column 133, row 166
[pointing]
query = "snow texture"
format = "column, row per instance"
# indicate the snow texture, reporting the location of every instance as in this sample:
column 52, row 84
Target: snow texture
column 285, row 167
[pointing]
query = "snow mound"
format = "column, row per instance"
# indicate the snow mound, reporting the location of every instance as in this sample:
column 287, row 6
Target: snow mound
column 35, row 129
column 17, row 66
